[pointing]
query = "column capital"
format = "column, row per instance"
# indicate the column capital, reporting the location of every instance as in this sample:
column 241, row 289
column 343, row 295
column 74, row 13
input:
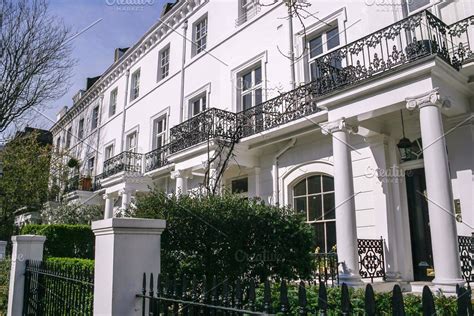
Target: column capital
column 179, row 173
column 124, row 191
column 431, row 97
column 106, row 196
column 338, row 126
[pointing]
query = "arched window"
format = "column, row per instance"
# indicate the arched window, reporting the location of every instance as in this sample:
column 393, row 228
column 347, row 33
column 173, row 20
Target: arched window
column 314, row 196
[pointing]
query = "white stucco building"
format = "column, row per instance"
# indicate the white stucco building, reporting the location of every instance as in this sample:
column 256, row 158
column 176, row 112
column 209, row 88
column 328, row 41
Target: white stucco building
column 367, row 110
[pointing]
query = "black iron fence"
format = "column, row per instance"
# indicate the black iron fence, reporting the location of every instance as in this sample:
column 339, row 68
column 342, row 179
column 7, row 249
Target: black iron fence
column 125, row 161
column 466, row 255
column 180, row 297
column 52, row 289
column 371, row 258
column 326, row 268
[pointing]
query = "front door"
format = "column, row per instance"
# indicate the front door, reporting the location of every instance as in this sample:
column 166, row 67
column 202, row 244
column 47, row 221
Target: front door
column 419, row 225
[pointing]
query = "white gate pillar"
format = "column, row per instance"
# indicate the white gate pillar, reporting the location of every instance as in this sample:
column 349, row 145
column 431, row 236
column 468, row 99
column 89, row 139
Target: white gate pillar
column 125, row 248
column 25, row 247
column 346, row 227
column 438, row 186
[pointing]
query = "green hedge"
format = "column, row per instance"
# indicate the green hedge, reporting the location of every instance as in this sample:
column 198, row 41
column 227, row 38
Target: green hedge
column 72, row 262
column 72, row 241
column 4, row 284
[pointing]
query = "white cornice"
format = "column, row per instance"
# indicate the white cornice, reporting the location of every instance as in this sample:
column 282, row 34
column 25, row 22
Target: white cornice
column 155, row 35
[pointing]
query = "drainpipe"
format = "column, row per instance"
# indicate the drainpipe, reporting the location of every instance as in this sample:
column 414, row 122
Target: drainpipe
column 124, row 114
column 291, row 50
column 276, row 190
column 183, row 61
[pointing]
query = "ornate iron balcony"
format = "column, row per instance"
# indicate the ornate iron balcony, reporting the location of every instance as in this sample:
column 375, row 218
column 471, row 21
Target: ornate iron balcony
column 206, row 125
column 157, row 158
column 125, row 161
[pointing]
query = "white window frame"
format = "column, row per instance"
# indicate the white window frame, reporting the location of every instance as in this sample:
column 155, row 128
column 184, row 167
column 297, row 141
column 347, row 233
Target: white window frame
column 308, row 195
column 245, row 11
column 253, row 88
column 337, row 18
column 159, row 134
column 196, row 48
column 241, row 194
column 113, row 102
column 68, row 137
column 164, row 63
column 80, row 128
column 203, row 104
column 90, row 171
column 135, row 85
column 422, row 8
column 323, row 33
column 95, row 120
column 109, row 151
column 128, row 145
column 204, row 90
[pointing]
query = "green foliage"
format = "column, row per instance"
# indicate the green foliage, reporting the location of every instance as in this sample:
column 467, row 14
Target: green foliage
column 73, row 241
column 229, row 237
column 72, row 262
column 444, row 305
column 73, row 214
column 25, row 179
column 4, row 284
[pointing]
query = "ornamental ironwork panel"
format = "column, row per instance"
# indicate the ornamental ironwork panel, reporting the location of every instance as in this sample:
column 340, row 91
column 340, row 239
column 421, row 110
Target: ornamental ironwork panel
column 371, row 258
column 126, row 161
column 57, row 289
column 157, row 158
column 466, row 256
column 202, row 127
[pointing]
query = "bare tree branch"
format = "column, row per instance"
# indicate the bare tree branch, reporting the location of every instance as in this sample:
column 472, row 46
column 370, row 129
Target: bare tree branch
column 35, row 62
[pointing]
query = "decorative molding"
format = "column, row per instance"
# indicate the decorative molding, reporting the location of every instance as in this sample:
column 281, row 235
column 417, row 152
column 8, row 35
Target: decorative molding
column 180, row 173
column 431, row 97
column 156, row 35
column 340, row 125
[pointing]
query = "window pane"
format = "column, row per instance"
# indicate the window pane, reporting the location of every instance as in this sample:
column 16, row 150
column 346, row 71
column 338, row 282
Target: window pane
column 247, row 81
column 300, row 188
column 331, row 235
column 247, row 101
column 416, row 4
column 314, row 184
column 329, row 211
column 333, row 38
column 315, row 72
column 314, row 208
column 319, row 236
column 258, row 75
column 258, row 96
column 196, row 107
column 328, row 183
column 300, row 205
column 203, row 100
column 240, row 185
column 315, row 47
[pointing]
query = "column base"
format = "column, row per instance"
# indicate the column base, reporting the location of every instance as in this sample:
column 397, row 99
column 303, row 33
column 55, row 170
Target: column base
column 393, row 277
column 351, row 280
column 447, row 285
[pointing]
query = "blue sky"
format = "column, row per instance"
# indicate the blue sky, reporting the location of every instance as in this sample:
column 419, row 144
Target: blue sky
column 121, row 26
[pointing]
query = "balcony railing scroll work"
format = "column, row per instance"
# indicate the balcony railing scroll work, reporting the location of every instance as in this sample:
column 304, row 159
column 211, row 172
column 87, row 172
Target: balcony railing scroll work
column 396, row 46
column 125, row 161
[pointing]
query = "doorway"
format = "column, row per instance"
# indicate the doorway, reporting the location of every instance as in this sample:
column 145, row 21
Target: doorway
column 420, row 234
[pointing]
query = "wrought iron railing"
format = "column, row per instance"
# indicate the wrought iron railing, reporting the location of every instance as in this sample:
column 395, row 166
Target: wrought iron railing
column 466, row 256
column 125, row 161
column 326, row 268
column 97, row 185
column 206, row 125
column 179, row 296
column 53, row 289
column 72, row 184
column 157, row 158
column 371, row 258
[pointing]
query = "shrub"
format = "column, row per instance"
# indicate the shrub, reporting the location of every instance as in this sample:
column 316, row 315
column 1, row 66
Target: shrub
column 72, row 262
column 4, row 284
column 229, row 237
column 72, row 214
column 73, row 241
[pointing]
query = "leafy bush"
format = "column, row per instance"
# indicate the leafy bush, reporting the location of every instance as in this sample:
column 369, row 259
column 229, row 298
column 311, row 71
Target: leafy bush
column 72, row 262
column 229, row 237
column 444, row 305
column 73, row 241
column 4, row 284
column 72, row 214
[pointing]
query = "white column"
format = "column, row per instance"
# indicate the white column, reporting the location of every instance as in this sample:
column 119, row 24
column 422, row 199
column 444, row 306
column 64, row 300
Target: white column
column 3, row 249
column 257, row 181
column 438, row 186
column 25, row 247
column 109, row 206
column 125, row 248
column 126, row 198
column 346, row 228
column 181, row 182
